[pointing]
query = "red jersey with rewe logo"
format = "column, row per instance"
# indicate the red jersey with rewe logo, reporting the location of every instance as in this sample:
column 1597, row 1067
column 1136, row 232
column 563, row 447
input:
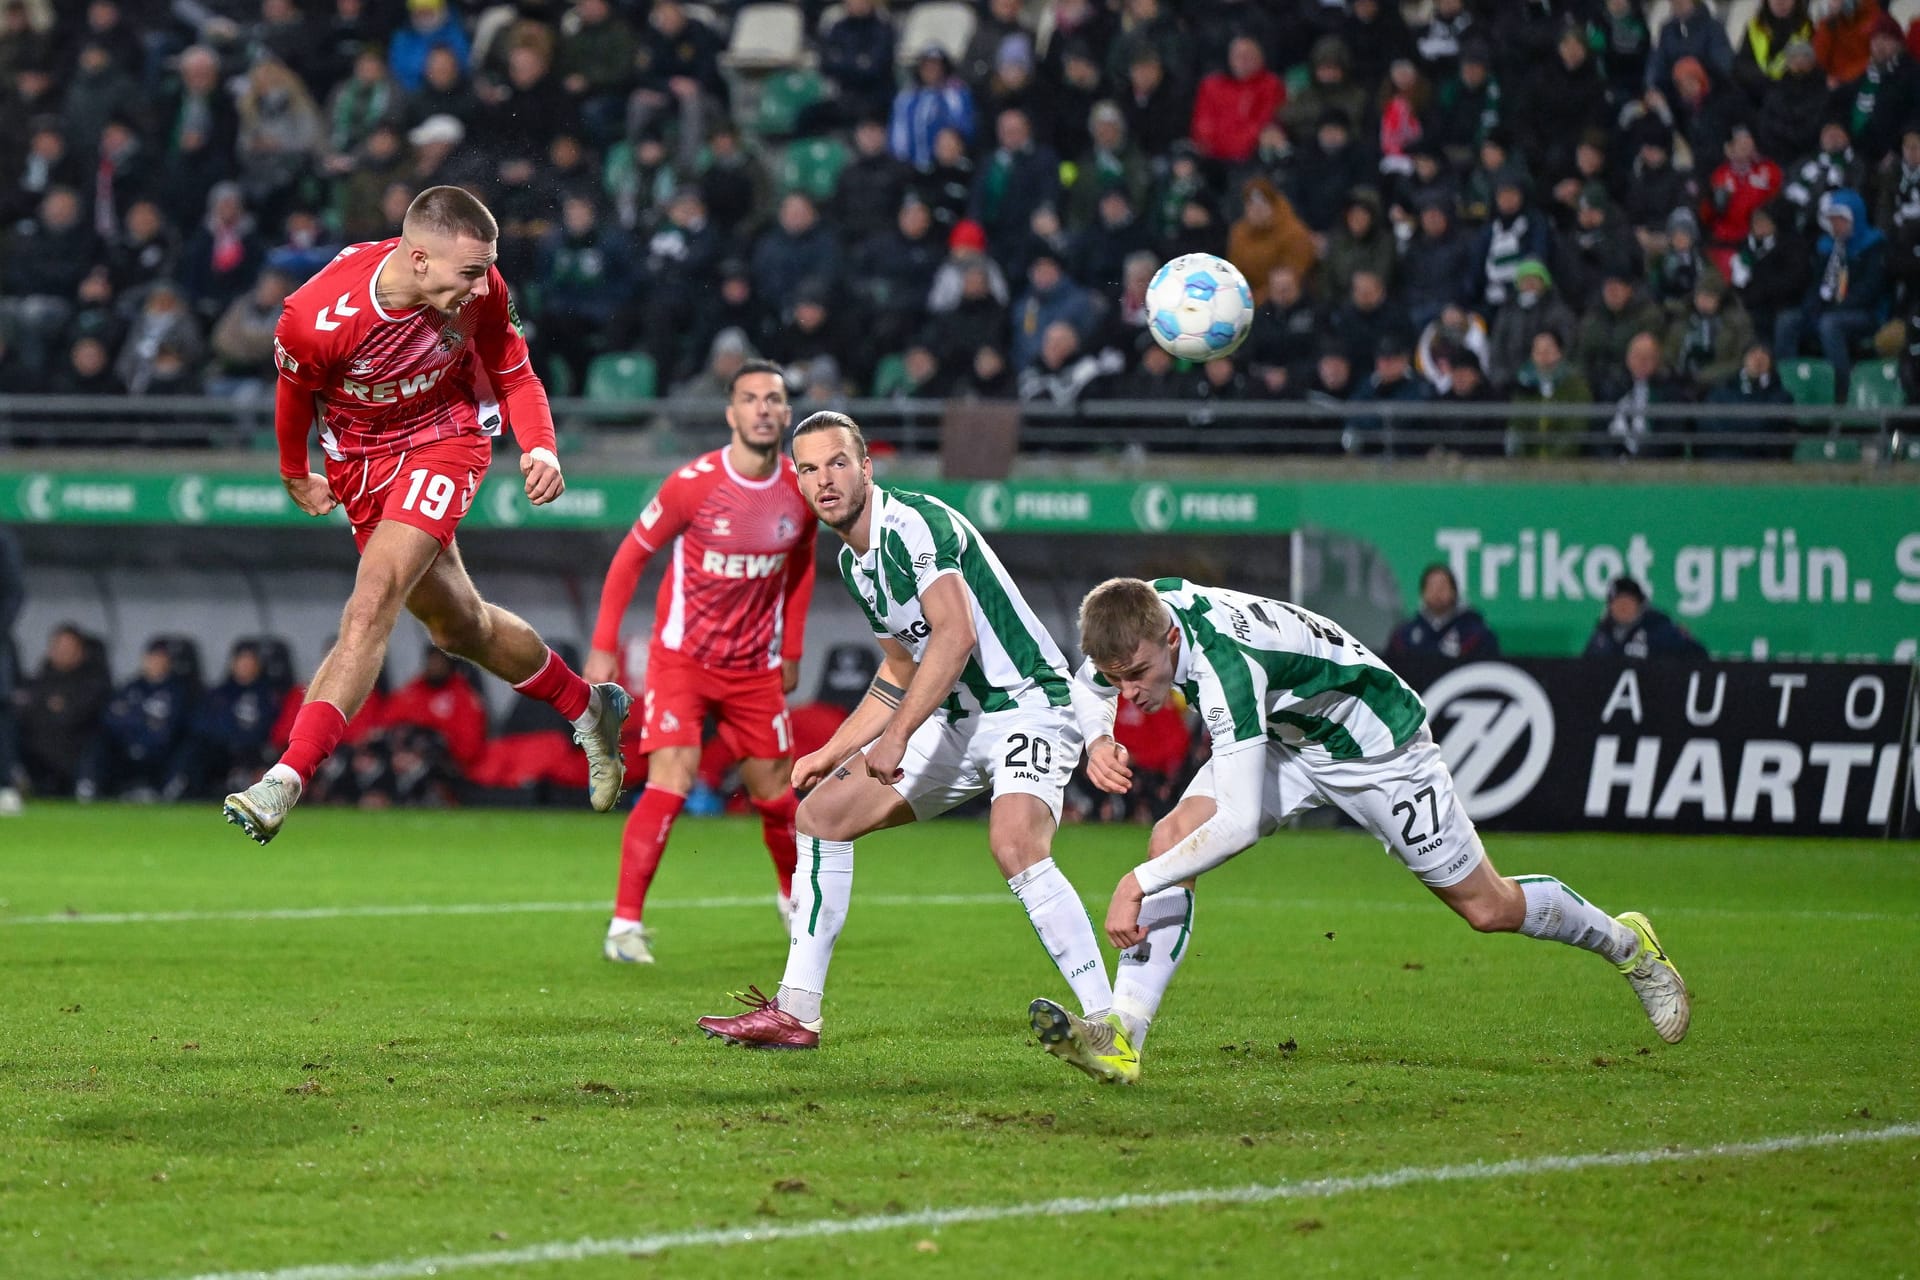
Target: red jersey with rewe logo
column 385, row 383
column 737, row 587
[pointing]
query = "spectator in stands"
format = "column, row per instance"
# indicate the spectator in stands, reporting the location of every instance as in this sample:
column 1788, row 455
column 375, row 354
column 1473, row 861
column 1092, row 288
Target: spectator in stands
column 815, row 329
column 1483, row 433
column 1367, row 319
column 1847, row 298
column 1437, row 42
column 1673, row 274
column 1690, row 31
column 229, row 728
column 1394, row 382
column 1598, row 244
column 242, row 342
column 1654, row 188
column 22, row 45
column 88, row 371
column 528, row 106
column 1051, row 297
column 17, row 377
column 977, row 321
column 1016, row 179
column 856, row 56
column 1843, row 39
column 359, row 105
column 1755, row 384
column 1534, row 308
column 1834, row 167
column 1886, row 96
column 444, row 92
column 796, row 248
column 1361, row 243
column 1793, row 106
column 281, row 134
column 1632, row 431
column 1286, row 331
column 1156, row 25
column 1067, row 104
column 1443, row 626
column 1564, row 96
column 1099, row 253
column 1705, row 346
column 379, row 162
column 1769, row 271
column 1110, row 161
column 1002, row 18
column 143, row 727
column 1330, row 383
column 145, row 250
column 1467, row 106
column 1547, row 379
column 47, row 161
column 1059, row 372
column 1743, row 182
column 594, row 61
column 47, row 257
column 679, row 76
column 164, row 333
column 867, row 201
column 583, row 271
column 430, row 26
column 892, row 274
column 1269, row 234
column 1440, row 344
column 1705, row 110
column 1326, row 172
column 221, row 258
column 1622, row 44
column 1436, row 264
column 1330, row 87
column 1154, row 105
column 734, row 181
column 1622, row 311
column 97, row 91
column 1763, row 57
column 1515, row 232
column 60, row 710
column 122, row 175
column 1632, row 632
column 1011, row 87
column 199, row 128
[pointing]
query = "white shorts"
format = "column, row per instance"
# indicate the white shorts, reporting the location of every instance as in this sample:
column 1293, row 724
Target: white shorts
column 1028, row 751
column 1405, row 799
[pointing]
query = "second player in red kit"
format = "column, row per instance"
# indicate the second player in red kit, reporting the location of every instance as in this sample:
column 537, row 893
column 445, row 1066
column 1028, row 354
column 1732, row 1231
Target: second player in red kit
column 727, row 632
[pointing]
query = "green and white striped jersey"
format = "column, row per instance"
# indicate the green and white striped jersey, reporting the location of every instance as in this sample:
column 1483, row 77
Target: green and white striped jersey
column 916, row 539
column 1264, row 669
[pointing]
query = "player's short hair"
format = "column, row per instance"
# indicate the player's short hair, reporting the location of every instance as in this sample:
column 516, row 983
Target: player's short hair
column 1117, row 617
column 756, row 365
column 449, row 211
column 828, row 420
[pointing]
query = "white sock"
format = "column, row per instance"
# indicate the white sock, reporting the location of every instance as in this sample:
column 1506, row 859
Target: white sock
column 822, row 889
column 288, row 774
column 1141, row 976
column 1557, row 912
column 618, row 926
column 1061, row 921
column 586, row 720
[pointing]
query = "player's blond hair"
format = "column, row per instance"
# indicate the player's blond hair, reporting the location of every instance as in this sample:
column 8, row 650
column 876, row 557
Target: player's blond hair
column 449, row 211
column 1117, row 617
column 828, row 420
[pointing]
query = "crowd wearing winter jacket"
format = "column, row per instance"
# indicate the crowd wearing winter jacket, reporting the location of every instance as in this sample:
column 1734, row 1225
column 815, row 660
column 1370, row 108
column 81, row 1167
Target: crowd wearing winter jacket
column 983, row 221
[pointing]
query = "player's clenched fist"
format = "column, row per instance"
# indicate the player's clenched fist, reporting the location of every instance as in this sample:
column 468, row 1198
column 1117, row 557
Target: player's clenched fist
column 1107, row 767
column 310, row 493
column 544, row 481
column 810, row 771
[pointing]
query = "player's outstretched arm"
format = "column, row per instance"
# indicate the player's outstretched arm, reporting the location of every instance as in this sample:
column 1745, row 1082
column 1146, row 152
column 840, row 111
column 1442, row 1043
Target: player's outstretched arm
column 949, row 613
column 866, row 722
column 1232, row 830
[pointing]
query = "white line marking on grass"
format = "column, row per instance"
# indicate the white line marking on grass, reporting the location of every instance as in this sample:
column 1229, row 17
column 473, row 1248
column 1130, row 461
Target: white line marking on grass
column 377, row 910
column 1303, row 1189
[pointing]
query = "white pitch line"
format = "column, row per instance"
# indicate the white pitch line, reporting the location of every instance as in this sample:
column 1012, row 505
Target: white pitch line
column 1258, row 1193
column 378, row 910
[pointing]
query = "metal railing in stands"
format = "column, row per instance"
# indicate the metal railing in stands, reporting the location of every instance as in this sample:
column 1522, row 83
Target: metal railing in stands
column 1879, row 436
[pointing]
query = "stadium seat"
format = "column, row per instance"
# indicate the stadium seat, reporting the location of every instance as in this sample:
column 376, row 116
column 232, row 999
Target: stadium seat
column 782, row 98
column 946, row 23
column 1826, row 449
column 767, row 37
column 558, row 377
column 622, row 375
column 1875, row 384
column 1809, row 382
column 813, row 167
column 889, row 376
column 707, row 16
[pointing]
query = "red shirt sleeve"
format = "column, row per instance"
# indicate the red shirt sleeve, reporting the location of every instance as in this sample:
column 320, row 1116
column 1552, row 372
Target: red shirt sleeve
column 301, row 363
column 660, row 522
column 502, row 350
column 799, row 594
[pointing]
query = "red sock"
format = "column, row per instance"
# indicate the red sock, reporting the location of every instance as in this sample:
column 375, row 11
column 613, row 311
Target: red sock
column 776, row 824
column 641, row 845
column 317, row 727
column 559, row 686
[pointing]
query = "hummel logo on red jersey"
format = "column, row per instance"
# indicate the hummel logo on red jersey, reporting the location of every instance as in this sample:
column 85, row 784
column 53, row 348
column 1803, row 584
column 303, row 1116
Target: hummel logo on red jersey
column 361, row 368
column 722, row 527
column 326, row 323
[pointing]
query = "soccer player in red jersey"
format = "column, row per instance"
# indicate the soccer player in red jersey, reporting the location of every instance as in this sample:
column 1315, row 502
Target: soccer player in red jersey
column 409, row 354
column 727, row 631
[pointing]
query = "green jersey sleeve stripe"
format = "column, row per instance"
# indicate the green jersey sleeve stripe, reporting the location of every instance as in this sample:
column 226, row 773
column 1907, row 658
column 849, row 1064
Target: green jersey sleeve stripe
column 849, row 567
column 1230, row 668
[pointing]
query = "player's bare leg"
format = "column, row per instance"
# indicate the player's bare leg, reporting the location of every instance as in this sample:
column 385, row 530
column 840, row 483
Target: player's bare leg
column 851, row 803
column 1543, row 907
column 770, row 791
column 670, row 776
column 395, row 559
column 462, row 624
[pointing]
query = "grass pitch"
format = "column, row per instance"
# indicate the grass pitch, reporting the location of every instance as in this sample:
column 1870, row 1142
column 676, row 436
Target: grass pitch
column 367, row 1077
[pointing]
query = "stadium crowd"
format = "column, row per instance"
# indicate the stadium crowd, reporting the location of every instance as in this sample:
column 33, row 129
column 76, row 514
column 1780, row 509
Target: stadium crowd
column 1500, row 203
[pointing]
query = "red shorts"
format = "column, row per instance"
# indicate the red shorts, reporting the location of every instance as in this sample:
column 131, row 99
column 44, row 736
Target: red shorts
column 680, row 694
column 430, row 487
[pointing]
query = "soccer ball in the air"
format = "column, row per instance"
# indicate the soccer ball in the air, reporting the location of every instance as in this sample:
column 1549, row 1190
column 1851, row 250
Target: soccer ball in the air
column 1199, row 307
